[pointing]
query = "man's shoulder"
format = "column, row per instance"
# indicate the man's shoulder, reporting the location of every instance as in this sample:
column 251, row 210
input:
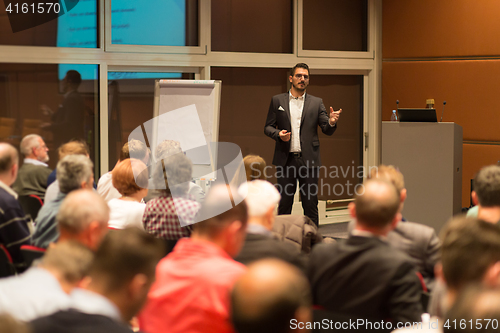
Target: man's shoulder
column 77, row 322
column 28, row 167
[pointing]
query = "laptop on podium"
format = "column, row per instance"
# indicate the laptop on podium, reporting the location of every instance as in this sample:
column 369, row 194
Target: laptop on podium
column 417, row 115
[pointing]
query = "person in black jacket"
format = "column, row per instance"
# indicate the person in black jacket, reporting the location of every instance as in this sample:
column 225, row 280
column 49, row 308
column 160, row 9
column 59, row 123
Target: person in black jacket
column 262, row 198
column 363, row 276
column 120, row 278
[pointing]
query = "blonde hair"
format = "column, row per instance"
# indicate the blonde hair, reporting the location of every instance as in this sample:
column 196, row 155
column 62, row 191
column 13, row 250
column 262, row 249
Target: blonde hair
column 389, row 173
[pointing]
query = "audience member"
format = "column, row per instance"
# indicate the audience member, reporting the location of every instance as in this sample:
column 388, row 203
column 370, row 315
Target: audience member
column 44, row 289
column 269, row 298
column 191, row 292
column 363, row 276
column 120, row 277
column 32, row 177
column 418, row 241
column 73, row 172
column 486, row 194
column 83, row 217
column 262, row 198
column 477, row 309
column 134, row 148
column 169, row 215
column 70, row 148
column 165, row 149
column 470, row 254
column 14, row 230
column 130, row 178
column 251, row 168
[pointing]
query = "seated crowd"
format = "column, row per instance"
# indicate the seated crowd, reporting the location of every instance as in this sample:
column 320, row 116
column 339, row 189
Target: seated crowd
column 149, row 250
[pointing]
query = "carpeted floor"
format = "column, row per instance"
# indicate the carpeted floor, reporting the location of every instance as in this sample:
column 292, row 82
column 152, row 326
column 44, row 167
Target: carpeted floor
column 334, row 230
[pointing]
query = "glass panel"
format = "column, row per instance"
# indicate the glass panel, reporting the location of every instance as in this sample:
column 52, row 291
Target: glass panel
column 341, row 153
column 335, row 25
column 74, row 26
column 155, row 22
column 131, row 103
column 252, row 26
column 34, row 99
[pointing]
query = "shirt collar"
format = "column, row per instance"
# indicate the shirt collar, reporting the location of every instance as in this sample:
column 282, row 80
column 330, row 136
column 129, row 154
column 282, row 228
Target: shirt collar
column 364, row 233
column 301, row 98
column 8, row 189
column 35, row 162
column 92, row 303
column 258, row 229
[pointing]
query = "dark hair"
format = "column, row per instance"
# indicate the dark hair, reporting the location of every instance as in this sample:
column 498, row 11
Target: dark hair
column 475, row 304
column 372, row 208
column 300, row 65
column 123, row 254
column 74, row 77
column 469, row 248
column 487, row 186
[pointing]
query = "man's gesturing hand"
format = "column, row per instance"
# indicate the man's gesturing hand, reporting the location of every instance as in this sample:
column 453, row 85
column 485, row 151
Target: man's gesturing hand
column 334, row 116
column 284, row 136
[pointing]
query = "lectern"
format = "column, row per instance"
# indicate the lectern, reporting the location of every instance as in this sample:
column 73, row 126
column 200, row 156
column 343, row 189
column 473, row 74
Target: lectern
column 430, row 157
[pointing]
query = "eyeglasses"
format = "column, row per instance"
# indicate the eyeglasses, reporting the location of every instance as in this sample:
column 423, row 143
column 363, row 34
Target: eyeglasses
column 298, row 76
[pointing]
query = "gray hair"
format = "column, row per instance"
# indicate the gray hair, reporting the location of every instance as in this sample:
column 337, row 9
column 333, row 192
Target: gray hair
column 175, row 180
column 70, row 259
column 166, row 148
column 72, row 170
column 79, row 209
column 260, row 196
column 29, row 142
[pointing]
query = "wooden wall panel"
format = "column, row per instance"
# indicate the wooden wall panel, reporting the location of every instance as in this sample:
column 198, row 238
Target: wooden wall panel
column 469, row 87
column 476, row 156
column 440, row 28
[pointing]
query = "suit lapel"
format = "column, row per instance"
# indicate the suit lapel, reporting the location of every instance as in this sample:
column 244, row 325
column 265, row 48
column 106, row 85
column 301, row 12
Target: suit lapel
column 304, row 110
column 285, row 103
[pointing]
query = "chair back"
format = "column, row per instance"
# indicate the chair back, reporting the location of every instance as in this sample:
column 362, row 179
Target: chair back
column 31, row 253
column 6, row 266
column 31, row 204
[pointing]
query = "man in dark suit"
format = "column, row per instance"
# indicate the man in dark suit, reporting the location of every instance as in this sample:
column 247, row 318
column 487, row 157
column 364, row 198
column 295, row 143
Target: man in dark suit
column 120, row 277
column 292, row 121
column 363, row 276
column 261, row 198
column 68, row 122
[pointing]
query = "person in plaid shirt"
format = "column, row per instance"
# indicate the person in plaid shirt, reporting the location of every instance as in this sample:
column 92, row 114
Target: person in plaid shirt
column 164, row 215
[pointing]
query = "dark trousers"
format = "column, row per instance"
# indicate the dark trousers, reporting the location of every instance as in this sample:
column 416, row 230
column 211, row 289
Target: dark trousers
column 287, row 176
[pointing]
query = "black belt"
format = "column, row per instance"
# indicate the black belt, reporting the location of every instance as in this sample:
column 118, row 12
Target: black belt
column 296, row 155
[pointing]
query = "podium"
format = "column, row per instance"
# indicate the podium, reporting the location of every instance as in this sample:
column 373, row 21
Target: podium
column 429, row 155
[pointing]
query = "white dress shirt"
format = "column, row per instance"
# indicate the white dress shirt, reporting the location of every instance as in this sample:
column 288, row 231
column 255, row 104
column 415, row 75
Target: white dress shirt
column 91, row 303
column 296, row 109
column 33, row 294
column 35, row 162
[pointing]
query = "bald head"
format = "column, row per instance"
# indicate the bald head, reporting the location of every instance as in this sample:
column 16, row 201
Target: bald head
column 269, row 296
column 9, row 160
column 377, row 205
column 83, row 216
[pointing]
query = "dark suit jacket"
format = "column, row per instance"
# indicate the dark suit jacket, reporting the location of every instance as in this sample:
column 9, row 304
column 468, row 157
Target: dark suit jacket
column 72, row 321
column 258, row 246
column 420, row 243
column 364, row 277
column 313, row 114
column 69, row 120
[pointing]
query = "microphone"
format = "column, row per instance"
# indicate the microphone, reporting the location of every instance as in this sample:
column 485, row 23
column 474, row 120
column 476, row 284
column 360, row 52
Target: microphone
column 397, row 104
column 444, row 103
